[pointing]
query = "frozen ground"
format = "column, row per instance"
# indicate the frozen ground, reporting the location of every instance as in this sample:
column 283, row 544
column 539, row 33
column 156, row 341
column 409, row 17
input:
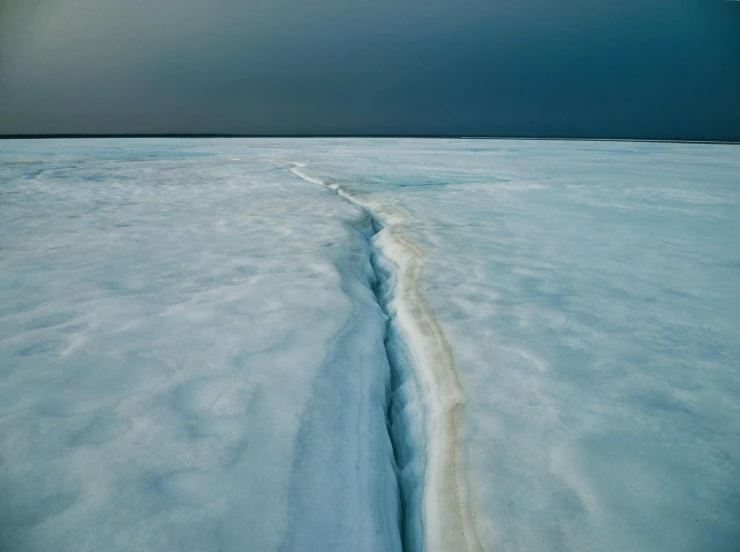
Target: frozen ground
column 191, row 345
column 191, row 356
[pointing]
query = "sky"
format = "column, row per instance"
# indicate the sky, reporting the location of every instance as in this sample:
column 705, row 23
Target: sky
column 663, row 69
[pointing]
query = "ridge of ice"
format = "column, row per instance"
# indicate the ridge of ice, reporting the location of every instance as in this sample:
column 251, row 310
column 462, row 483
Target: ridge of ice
column 447, row 522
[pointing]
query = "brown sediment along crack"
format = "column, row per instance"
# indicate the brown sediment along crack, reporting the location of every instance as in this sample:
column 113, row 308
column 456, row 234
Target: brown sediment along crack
column 425, row 399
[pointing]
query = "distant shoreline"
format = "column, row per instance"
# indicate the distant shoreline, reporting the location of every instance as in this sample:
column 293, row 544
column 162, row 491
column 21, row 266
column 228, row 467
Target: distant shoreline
column 368, row 136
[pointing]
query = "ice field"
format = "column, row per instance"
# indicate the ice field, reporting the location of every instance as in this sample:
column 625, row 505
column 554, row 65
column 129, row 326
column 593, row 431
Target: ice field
column 345, row 344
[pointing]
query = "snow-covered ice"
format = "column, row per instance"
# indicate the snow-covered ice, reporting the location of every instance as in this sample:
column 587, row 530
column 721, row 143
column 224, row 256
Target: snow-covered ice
column 191, row 353
column 591, row 296
column 192, row 345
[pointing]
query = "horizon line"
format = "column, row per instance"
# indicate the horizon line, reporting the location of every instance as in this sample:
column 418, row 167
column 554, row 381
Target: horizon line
column 51, row 136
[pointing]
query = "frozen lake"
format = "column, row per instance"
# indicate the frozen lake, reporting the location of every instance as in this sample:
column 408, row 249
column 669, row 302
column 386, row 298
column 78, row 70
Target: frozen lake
column 345, row 344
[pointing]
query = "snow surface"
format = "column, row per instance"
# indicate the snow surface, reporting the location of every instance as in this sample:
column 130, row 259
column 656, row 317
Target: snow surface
column 591, row 296
column 191, row 355
column 426, row 398
column 191, row 345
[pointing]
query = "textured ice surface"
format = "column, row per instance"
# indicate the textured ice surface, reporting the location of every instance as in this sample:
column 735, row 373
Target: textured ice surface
column 191, row 353
column 591, row 294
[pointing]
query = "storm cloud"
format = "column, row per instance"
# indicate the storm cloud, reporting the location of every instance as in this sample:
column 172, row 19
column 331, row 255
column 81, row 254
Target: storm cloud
column 576, row 68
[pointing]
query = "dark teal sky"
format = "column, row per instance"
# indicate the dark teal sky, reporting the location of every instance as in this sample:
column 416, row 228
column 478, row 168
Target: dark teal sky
column 575, row 68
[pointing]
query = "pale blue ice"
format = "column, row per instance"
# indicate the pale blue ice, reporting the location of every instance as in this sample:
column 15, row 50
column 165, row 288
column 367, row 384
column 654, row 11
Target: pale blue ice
column 192, row 347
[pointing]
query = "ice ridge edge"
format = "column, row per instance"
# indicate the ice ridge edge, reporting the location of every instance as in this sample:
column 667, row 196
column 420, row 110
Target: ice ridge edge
column 424, row 404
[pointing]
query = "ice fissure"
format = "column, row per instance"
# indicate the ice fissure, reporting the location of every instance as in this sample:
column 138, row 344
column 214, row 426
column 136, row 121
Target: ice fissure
column 425, row 399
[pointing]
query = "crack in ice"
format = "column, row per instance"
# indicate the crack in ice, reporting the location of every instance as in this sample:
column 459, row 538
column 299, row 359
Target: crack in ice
column 424, row 406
